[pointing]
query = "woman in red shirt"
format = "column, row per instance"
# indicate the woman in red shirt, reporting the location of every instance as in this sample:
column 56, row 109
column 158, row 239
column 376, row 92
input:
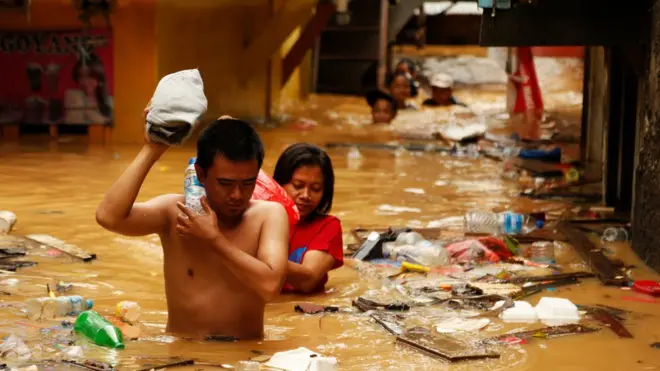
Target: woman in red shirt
column 305, row 172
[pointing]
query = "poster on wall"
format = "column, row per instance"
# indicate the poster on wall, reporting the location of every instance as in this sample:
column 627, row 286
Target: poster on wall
column 56, row 77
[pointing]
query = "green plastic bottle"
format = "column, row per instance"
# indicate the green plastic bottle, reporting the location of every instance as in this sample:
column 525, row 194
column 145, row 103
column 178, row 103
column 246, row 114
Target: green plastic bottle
column 99, row 330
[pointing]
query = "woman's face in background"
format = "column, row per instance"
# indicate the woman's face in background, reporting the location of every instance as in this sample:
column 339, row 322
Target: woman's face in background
column 87, row 81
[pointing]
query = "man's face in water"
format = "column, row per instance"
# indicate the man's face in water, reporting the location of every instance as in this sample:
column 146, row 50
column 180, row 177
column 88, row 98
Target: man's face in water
column 382, row 112
column 229, row 186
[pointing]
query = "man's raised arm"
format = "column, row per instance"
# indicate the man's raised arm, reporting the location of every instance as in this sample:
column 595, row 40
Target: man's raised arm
column 118, row 211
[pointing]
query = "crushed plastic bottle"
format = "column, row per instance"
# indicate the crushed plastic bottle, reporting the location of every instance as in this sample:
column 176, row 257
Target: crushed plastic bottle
column 128, row 311
column 506, row 223
column 412, row 247
column 614, row 235
column 99, row 330
column 192, row 188
column 49, row 308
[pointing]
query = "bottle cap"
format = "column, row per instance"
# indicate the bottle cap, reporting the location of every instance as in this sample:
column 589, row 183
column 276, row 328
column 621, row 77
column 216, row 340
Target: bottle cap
column 90, row 304
column 539, row 224
column 192, row 161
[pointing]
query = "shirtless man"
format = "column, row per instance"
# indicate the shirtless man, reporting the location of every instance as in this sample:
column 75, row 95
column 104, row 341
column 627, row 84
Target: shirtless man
column 222, row 267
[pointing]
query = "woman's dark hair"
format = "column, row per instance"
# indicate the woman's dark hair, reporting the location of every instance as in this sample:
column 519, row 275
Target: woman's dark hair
column 230, row 138
column 410, row 63
column 305, row 154
column 93, row 63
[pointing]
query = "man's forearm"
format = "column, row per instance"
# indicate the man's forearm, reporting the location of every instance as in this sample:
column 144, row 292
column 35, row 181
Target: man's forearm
column 119, row 199
column 256, row 274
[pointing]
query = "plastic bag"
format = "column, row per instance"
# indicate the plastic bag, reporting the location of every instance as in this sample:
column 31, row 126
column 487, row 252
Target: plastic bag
column 267, row 189
column 14, row 348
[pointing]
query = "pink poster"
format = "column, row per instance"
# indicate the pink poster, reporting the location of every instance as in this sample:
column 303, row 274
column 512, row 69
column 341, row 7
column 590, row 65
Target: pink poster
column 56, row 77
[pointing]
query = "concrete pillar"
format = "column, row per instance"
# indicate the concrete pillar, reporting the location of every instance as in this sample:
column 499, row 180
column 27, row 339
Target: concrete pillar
column 646, row 206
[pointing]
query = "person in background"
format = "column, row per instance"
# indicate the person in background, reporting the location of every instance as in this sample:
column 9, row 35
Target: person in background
column 408, row 66
column 316, row 246
column 400, row 86
column 383, row 107
column 90, row 103
column 442, row 93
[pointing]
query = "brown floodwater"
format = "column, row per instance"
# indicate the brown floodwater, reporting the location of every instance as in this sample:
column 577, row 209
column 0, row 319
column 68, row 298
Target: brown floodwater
column 55, row 188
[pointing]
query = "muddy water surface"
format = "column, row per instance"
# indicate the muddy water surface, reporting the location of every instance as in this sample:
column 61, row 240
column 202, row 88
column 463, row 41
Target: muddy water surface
column 54, row 189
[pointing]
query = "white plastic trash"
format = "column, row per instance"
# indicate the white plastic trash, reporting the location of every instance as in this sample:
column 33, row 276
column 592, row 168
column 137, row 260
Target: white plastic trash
column 521, row 312
column 456, row 324
column 7, row 221
column 557, row 311
column 302, row 359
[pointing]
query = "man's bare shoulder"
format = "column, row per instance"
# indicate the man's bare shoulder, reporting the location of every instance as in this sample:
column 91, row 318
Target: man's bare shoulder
column 267, row 209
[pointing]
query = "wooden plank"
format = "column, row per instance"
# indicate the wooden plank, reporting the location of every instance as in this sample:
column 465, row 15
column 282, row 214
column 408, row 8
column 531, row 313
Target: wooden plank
column 605, row 269
column 446, row 347
column 604, row 317
column 546, row 333
column 551, row 277
column 268, row 42
column 60, row 245
column 309, row 35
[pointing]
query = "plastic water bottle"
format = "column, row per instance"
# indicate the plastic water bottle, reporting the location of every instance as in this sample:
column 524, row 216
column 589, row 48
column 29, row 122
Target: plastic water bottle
column 48, row 308
column 506, row 223
column 99, row 330
column 193, row 190
column 128, row 311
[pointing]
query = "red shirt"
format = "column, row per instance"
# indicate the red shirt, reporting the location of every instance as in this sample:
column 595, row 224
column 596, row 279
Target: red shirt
column 321, row 234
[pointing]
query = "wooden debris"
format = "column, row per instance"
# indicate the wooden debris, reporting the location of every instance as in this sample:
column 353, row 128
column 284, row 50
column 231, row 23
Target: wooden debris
column 550, row 277
column 608, row 273
column 91, row 365
column 176, row 363
column 12, row 266
column 311, row 308
column 546, row 332
column 604, row 317
column 535, row 289
column 12, row 252
column 389, row 322
column 446, row 347
column 367, row 305
column 60, row 245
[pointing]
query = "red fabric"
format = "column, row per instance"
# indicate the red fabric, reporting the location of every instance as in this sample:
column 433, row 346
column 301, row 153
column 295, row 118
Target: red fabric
column 267, row 189
column 321, row 234
column 529, row 93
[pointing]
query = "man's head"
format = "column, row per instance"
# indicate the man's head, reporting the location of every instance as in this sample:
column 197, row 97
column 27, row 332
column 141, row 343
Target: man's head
column 383, row 107
column 441, row 85
column 229, row 156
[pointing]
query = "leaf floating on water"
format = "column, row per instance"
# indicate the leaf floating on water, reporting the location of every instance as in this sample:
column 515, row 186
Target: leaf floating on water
column 540, row 335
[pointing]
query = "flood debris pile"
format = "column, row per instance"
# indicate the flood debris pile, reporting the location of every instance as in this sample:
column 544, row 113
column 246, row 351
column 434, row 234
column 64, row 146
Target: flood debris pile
column 441, row 288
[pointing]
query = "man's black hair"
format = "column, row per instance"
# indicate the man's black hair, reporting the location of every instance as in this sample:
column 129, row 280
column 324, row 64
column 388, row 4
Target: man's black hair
column 232, row 139
column 375, row 95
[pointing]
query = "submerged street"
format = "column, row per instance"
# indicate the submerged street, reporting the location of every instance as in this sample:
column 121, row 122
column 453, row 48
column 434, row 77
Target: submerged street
column 54, row 188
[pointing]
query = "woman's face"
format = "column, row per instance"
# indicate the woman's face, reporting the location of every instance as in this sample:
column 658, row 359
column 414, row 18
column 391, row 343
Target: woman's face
column 306, row 189
column 87, row 81
column 400, row 88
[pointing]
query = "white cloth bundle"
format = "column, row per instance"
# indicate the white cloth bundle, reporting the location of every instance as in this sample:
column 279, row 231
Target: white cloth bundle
column 176, row 106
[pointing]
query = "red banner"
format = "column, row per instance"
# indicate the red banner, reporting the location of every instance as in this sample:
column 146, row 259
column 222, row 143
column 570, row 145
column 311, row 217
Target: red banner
column 56, row 77
column 528, row 97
